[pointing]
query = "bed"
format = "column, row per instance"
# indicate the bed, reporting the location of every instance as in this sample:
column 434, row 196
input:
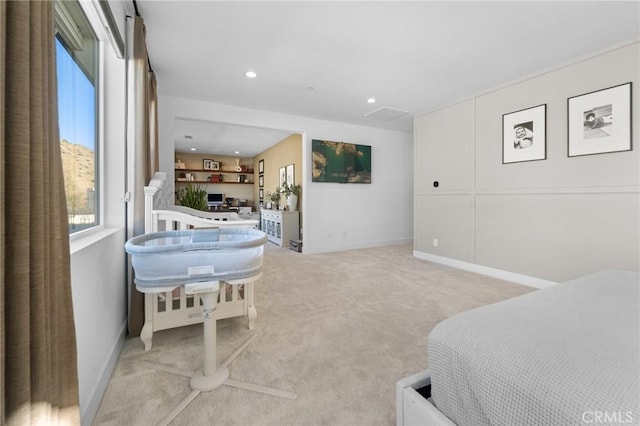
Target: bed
column 175, row 308
column 568, row 354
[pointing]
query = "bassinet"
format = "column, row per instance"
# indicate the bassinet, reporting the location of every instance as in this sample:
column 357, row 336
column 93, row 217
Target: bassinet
column 175, row 308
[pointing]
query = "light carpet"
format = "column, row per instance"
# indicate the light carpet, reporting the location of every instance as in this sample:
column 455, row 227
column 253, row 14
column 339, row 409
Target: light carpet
column 339, row 329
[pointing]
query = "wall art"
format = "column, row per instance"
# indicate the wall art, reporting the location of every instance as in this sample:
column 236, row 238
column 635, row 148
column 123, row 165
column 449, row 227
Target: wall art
column 600, row 121
column 340, row 162
column 210, row 164
column 524, row 135
column 291, row 176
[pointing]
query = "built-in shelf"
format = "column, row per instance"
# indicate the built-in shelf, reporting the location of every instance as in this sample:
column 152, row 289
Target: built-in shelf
column 213, row 171
column 200, row 173
column 206, row 182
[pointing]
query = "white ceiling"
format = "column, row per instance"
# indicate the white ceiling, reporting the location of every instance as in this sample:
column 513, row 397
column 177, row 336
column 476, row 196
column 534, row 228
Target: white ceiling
column 325, row 59
column 209, row 137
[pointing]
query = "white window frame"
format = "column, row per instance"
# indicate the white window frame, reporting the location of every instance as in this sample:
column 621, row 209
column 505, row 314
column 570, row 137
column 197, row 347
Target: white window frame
column 88, row 235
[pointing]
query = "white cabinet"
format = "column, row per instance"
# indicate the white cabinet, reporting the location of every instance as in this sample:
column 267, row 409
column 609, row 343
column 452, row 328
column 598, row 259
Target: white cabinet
column 280, row 226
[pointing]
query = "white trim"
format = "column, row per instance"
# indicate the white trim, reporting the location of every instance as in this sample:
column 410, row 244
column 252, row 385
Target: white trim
column 92, row 13
column 627, row 189
column 88, row 412
column 89, row 237
column 107, row 22
column 356, row 246
column 486, row 270
column 67, row 26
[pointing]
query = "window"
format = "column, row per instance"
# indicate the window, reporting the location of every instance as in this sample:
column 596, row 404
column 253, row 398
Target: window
column 77, row 72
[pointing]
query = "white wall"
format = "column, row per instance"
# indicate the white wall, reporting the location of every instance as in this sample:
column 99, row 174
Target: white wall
column 97, row 258
column 337, row 216
column 99, row 308
column 553, row 219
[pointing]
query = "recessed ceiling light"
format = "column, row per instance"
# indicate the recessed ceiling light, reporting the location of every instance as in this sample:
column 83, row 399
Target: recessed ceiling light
column 371, row 101
column 192, row 149
column 251, row 74
column 237, row 152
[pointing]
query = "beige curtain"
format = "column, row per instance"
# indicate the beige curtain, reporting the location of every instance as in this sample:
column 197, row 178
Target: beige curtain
column 154, row 158
column 145, row 153
column 38, row 354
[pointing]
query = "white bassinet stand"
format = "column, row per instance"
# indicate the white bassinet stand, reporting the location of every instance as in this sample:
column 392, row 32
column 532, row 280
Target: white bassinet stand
column 201, row 258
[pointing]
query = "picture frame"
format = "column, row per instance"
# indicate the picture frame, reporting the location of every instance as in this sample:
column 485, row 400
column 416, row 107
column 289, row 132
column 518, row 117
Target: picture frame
column 340, row 162
column 599, row 122
column 282, row 176
column 261, row 181
column 261, row 166
column 208, row 164
column 291, row 177
column 524, row 135
column 261, row 194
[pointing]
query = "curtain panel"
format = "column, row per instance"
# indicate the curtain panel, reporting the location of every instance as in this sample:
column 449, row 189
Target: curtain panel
column 38, row 354
column 144, row 157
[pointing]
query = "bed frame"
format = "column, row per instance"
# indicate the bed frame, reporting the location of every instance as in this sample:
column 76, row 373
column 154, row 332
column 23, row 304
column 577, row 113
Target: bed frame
column 175, row 308
column 414, row 405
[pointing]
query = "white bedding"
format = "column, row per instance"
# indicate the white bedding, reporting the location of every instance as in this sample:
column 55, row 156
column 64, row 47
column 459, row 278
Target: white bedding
column 569, row 354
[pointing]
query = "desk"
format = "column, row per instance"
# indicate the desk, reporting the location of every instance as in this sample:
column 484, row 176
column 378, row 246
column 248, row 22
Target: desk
column 223, row 209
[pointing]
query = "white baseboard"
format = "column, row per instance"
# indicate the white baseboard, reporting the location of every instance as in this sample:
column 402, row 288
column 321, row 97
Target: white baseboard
column 88, row 412
column 354, row 246
column 485, row 270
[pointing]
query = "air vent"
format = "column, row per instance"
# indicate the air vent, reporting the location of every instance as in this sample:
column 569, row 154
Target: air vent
column 386, row 113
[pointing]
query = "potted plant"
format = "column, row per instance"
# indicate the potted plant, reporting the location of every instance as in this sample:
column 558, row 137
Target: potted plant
column 274, row 197
column 291, row 192
column 193, row 196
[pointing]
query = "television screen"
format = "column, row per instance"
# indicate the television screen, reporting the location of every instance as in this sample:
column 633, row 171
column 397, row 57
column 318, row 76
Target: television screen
column 340, row 162
column 215, row 199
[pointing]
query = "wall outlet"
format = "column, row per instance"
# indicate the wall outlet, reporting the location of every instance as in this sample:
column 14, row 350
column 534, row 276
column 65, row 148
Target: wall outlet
column 435, row 242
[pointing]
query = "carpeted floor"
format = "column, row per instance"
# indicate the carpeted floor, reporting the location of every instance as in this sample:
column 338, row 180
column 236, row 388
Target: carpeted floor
column 338, row 329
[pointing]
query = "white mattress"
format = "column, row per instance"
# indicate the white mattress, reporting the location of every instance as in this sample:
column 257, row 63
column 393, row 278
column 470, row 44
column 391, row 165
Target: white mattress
column 558, row 356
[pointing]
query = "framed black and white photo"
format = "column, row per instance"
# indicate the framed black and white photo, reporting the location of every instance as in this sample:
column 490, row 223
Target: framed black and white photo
column 600, row 121
column 210, row 164
column 261, row 166
column 261, row 194
column 291, row 175
column 261, row 181
column 283, row 176
column 524, row 135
